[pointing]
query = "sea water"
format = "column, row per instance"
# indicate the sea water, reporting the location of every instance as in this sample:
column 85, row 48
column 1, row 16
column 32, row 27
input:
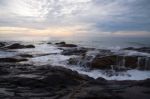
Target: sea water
column 55, row 58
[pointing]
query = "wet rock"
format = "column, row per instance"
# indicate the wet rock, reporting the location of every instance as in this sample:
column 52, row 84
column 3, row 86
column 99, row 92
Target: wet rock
column 49, row 43
column 75, row 51
column 129, row 48
column 2, row 44
column 11, row 60
column 103, row 62
column 64, row 72
column 19, row 46
column 63, row 44
column 145, row 83
column 142, row 49
column 117, row 62
column 69, row 45
column 73, row 61
column 58, row 82
column 26, row 55
column 3, row 71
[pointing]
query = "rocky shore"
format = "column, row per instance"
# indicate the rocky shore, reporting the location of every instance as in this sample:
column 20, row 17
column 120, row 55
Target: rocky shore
column 21, row 80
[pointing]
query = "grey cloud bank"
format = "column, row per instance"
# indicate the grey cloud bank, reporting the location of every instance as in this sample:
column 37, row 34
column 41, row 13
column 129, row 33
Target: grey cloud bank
column 96, row 15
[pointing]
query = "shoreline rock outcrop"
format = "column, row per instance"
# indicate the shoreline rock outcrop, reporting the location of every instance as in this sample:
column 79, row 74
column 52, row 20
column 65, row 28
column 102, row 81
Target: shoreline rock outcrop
column 52, row 82
column 19, row 46
column 63, row 44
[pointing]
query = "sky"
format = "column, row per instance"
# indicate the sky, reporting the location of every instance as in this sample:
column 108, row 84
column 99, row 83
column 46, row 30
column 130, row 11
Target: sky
column 75, row 17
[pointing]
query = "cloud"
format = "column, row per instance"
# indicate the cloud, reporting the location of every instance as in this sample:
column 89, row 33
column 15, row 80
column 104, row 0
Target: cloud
column 132, row 33
column 98, row 16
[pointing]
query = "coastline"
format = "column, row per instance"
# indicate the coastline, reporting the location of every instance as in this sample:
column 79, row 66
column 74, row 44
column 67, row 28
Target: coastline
column 22, row 75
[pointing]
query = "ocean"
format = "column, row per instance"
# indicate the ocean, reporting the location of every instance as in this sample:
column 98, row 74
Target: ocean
column 55, row 58
column 89, row 41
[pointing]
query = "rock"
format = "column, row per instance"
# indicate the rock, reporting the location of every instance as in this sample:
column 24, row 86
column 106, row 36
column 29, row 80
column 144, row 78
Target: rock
column 29, row 46
column 3, row 71
column 75, row 51
column 69, row 45
column 103, row 62
column 117, row 62
column 145, row 83
column 26, row 55
column 11, row 60
column 63, row 44
column 2, row 44
column 67, row 72
column 129, row 48
column 19, row 46
column 73, row 61
column 49, row 43
column 61, row 83
column 142, row 49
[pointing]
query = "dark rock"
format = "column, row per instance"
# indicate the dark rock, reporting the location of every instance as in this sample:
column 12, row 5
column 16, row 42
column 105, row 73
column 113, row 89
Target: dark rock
column 26, row 55
column 103, row 62
column 19, row 46
column 118, row 62
column 58, row 82
column 11, row 60
column 73, row 61
column 100, row 79
column 3, row 71
column 2, row 44
column 75, row 51
column 63, row 44
column 49, row 43
column 145, row 83
column 29, row 46
column 142, row 49
column 68, row 45
column 129, row 48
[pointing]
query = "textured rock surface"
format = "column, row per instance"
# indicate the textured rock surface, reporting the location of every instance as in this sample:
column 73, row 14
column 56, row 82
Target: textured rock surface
column 19, row 46
column 63, row 44
column 31, row 82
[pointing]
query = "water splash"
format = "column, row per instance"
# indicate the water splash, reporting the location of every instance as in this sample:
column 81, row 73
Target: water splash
column 138, row 62
column 146, row 63
column 88, row 58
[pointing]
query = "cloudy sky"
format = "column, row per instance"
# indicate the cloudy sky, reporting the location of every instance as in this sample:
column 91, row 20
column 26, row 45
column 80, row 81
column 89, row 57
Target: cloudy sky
column 75, row 17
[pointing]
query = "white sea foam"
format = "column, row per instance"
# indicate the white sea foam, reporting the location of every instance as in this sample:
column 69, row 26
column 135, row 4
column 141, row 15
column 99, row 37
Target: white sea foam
column 127, row 75
column 4, row 54
column 50, row 59
column 130, row 53
column 41, row 49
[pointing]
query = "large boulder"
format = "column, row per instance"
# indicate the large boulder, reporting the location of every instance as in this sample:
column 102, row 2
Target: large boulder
column 19, row 46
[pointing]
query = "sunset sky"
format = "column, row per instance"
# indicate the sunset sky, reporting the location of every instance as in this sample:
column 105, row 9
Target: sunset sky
column 75, row 17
